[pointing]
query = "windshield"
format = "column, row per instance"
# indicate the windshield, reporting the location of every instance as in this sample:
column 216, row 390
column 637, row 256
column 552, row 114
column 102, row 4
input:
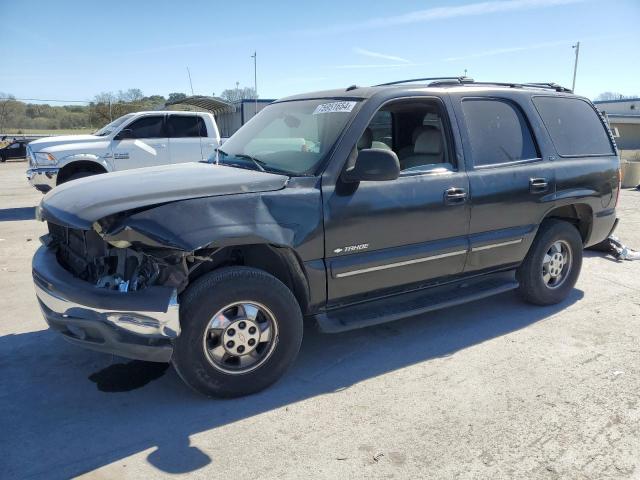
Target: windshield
column 288, row 137
column 110, row 127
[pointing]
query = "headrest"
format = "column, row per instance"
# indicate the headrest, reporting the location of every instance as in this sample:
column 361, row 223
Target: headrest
column 366, row 139
column 418, row 130
column 429, row 142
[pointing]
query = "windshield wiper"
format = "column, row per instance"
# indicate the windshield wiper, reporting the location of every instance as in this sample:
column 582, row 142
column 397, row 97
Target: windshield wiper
column 257, row 162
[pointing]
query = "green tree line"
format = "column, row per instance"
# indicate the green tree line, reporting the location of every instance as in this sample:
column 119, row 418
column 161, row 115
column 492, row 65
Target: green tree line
column 17, row 115
column 20, row 115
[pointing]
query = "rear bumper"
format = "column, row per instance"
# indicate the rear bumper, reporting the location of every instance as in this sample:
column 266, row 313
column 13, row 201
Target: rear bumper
column 43, row 179
column 140, row 325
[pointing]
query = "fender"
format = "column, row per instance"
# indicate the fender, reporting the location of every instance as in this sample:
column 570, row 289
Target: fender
column 290, row 218
column 87, row 157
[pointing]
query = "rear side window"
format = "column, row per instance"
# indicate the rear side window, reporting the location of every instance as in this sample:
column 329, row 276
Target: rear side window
column 498, row 132
column 147, row 127
column 574, row 126
column 182, row 126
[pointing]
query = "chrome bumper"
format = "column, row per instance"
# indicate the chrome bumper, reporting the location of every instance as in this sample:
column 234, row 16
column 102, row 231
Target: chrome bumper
column 43, row 179
column 139, row 325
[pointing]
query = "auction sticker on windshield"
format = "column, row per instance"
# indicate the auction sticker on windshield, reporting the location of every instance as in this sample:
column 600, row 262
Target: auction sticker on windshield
column 334, row 107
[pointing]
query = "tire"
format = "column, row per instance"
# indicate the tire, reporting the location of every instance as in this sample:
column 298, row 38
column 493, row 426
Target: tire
column 80, row 174
column 197, row 359
column 547, row 281
column 2, row 159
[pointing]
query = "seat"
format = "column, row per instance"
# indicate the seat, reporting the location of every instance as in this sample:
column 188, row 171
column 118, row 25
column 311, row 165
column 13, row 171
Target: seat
column 408, row 150
column 426, row 151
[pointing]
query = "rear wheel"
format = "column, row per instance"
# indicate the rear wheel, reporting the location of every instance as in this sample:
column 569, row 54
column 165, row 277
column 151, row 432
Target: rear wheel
column 552, row 266
column 241, row 330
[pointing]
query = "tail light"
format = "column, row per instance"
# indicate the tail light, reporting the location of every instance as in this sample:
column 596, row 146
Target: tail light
column 619, row 183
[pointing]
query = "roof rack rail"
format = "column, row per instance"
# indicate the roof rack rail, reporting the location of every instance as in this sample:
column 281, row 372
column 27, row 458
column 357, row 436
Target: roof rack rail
column 435, row 81
column 459, row 80
column 551, row 85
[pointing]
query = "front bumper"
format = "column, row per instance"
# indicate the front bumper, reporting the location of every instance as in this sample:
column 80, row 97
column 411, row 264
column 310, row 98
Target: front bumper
column 140, row 325
column 43, row 179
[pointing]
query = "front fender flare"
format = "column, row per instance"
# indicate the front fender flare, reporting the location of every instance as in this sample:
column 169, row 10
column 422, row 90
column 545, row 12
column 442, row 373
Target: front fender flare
column 85, row 157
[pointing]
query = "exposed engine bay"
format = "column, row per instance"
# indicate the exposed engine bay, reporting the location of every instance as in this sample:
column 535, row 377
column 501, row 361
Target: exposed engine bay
column 89, row 257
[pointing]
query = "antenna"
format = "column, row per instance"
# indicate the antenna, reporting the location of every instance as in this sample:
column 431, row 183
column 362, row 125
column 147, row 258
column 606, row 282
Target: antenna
column 575, row 66
column 190, row 82
column 255, row 79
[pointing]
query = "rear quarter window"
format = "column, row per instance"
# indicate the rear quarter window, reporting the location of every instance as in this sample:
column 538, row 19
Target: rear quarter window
column 498, row 132
column 574, row 126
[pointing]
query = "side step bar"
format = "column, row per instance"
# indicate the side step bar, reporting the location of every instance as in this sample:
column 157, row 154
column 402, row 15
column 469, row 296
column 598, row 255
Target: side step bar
column 414, row 303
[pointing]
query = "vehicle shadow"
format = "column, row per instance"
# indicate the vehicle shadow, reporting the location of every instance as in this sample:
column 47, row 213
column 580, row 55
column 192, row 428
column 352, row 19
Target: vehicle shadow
column 57, row 424
column 17, row 214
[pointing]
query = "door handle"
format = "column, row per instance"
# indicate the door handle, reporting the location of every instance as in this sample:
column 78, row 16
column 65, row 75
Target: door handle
column 455, row 196
column 538, row 185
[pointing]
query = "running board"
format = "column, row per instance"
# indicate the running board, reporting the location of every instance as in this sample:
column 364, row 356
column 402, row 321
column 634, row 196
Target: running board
column 413, row 303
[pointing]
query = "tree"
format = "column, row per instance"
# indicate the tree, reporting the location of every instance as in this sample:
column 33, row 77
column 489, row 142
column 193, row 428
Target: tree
column 235, row 94
column 131, row 95
column 175, row 96
column 5, row 102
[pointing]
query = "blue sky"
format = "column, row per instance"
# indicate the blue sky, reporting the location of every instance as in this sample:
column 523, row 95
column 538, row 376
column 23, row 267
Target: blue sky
column 74, row 50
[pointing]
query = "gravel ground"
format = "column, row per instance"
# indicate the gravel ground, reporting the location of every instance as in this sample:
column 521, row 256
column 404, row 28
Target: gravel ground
column 493, row 389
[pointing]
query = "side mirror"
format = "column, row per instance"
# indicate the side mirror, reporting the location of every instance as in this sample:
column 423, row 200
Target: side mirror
column 124, row 134
column 373, row 164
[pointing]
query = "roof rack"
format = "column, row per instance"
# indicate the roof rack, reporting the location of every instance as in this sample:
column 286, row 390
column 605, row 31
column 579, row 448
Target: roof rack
column 435, row 81
column 554, row 86
column 458, row 80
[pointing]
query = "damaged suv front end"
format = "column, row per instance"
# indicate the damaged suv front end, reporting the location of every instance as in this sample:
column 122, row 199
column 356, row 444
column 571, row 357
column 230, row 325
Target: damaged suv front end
column 117, row 300
column 108, row 277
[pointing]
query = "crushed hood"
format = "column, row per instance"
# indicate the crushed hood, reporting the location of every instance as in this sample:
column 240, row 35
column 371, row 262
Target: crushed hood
column 80, row 203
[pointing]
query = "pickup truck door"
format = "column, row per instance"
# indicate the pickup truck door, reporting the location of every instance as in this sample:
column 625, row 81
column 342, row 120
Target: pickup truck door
column 511, row 184
column 142, row 143
column 387, row 236
column 184, row 137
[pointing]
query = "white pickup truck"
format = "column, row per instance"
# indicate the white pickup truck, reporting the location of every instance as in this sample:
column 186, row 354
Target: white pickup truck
column 134, row 140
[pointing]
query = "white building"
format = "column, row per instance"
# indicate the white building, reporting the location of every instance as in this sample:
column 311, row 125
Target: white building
column 624, row 118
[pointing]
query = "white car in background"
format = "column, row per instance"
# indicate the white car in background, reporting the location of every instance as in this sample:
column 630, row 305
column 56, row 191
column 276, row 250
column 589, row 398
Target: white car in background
column 135, row 140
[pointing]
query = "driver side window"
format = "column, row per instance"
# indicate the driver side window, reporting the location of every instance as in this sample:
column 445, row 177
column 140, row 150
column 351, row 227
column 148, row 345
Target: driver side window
column 147, row 127
column 416, row 130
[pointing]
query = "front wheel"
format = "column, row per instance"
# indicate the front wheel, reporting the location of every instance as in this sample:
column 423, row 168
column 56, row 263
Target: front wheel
column 80, row 174
column 552, row 266
column 241, row 330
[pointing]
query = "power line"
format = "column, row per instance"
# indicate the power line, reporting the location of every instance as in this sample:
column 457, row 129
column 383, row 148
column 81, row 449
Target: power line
column 44, row 100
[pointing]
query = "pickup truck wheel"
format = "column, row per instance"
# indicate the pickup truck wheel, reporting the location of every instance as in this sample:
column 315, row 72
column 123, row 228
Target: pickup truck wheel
column 241, row 330
column 551, row 268
column 80, row 174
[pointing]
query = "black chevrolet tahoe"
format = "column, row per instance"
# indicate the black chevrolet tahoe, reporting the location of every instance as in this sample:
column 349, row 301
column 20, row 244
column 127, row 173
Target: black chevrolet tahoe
column 347, row 207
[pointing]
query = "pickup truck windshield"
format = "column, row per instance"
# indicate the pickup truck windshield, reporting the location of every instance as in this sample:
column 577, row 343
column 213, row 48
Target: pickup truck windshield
column 288, row 137
column 110, row 127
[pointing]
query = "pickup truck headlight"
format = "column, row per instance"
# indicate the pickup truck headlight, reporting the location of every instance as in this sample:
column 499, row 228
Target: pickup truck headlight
column 43, row 158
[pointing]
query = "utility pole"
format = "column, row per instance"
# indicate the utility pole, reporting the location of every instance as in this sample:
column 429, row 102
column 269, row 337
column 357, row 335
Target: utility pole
column 190, row 82
column 575, row 66
column 255, row 79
